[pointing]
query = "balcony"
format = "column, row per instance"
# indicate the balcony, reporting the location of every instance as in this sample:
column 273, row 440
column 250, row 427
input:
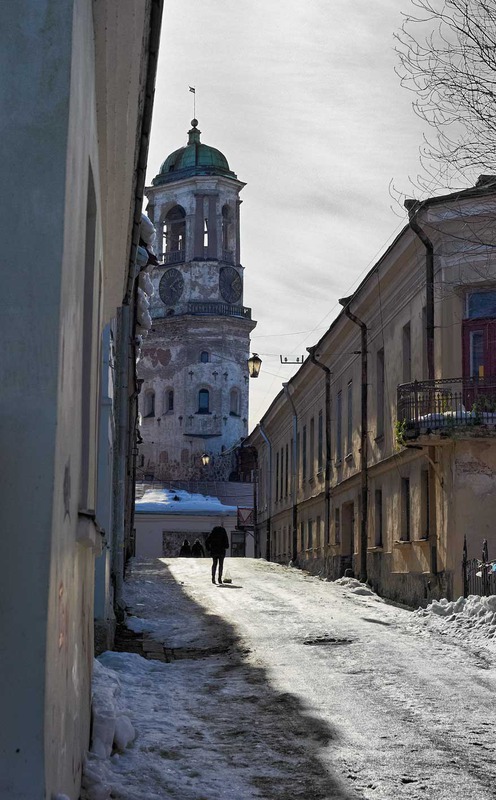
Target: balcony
column 172, row 257
column 219, row 310
column 444, row 406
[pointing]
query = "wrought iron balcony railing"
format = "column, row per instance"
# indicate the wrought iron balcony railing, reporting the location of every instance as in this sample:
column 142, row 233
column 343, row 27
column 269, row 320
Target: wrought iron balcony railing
column 173, row 257
column 219, row 309
column 425, row 406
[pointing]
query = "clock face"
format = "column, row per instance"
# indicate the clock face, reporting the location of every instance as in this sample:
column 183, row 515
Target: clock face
column 230, row 284
column 171, row 286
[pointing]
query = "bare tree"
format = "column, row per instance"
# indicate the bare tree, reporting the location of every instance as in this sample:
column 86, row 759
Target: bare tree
column 447, row 51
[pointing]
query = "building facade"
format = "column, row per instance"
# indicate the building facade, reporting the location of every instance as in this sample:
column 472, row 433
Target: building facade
column 379, row 455
column 193, row 366
column 79, row 112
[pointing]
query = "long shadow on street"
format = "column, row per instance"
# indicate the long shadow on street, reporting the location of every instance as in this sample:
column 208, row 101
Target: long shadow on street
column 270, row 738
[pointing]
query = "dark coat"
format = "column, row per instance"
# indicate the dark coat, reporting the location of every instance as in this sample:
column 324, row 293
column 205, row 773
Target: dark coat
column 185, row 549
column 217, row 541
column 197, row 550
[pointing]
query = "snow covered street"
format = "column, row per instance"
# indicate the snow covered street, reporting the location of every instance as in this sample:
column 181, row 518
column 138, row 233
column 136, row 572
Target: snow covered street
column 281, row 685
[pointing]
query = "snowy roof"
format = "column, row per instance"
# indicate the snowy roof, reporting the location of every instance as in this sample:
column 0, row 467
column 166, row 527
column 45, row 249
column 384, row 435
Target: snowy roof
column 170, row 501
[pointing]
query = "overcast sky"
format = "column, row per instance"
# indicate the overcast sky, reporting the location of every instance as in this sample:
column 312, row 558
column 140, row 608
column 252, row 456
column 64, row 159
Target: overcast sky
column 303, row 100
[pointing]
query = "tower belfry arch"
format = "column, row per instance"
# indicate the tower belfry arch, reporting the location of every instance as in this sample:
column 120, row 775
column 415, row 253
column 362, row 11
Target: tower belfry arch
column 194, row 359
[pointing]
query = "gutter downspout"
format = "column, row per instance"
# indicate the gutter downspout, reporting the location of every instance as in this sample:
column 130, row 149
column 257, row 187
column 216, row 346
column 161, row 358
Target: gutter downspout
column 413, row 207
column 269, row 493
column 363, row 440
column 327, row 491
column 294, row 456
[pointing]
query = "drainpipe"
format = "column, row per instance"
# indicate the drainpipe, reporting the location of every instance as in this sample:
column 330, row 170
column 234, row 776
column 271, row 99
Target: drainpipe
column 269, row 492
column 413, row 207
column 120, row 455
column 294, row 456
column 327, row 491
column 363, row 440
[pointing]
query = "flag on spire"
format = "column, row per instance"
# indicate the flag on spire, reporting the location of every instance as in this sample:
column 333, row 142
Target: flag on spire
column 192, row 89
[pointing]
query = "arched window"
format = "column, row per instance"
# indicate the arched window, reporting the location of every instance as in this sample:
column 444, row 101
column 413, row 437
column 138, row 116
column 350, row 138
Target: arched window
column 169, row 401
column 204, row 357
column 234, row 398
column 149, row 404
column 174, row 235
column 203, row 401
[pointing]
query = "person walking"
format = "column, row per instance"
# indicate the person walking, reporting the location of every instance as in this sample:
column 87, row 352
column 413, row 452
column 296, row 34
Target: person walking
column 197, row 550
column 185, row 549
column 217, row 542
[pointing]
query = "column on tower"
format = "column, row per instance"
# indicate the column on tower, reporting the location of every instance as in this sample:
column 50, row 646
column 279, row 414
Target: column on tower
column 198, row 249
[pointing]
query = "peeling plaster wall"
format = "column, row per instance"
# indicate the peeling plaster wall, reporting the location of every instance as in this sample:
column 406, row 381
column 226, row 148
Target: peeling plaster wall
column 475, row 491
column 174, row 439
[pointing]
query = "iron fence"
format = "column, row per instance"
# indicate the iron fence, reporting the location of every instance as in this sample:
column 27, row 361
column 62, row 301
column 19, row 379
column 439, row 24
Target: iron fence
column 479, row 575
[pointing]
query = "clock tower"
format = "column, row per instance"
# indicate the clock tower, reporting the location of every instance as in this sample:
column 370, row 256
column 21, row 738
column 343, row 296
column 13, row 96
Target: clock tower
column 194, row 396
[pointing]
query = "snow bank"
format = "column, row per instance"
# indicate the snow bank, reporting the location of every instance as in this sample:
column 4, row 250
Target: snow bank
column 356, row 587
column 112, row 731
column 472, row 619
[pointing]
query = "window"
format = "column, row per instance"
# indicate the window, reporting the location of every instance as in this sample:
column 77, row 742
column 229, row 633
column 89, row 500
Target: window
column 337, row 526
column 149, row 404
column 234, row 401
column 169, row 401
column 320, row 443
column 281, row 489
column 297, row 474
column 302, row 535
column 380, row 393
column 318, row 532
column 312, row 447
column 203, row 401
column 339, row 427
column 277, row 476
column 310, row 534
column 173, row 235
column 205, row 233
column 425, row 364
column 286, row 473
column 349, row 429
column 481, row 304
column 407, row 354
column 378, row 517
column 304, row 454
column 425, row 504
column 204, row 357
column 405, row 509
column 477, row 354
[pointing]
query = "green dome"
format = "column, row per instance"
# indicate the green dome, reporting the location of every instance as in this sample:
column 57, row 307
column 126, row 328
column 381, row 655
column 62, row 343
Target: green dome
column 193, row 159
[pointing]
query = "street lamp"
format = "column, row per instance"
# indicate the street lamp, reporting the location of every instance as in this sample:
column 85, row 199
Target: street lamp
column 205, row 459
column 254, row 364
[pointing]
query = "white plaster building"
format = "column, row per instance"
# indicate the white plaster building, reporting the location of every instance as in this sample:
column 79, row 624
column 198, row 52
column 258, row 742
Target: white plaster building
column 164, row 518
column 75, row 126
column 194, row 397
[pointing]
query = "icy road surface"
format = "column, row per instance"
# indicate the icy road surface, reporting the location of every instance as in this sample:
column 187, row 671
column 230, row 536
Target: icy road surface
column 257, row 704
